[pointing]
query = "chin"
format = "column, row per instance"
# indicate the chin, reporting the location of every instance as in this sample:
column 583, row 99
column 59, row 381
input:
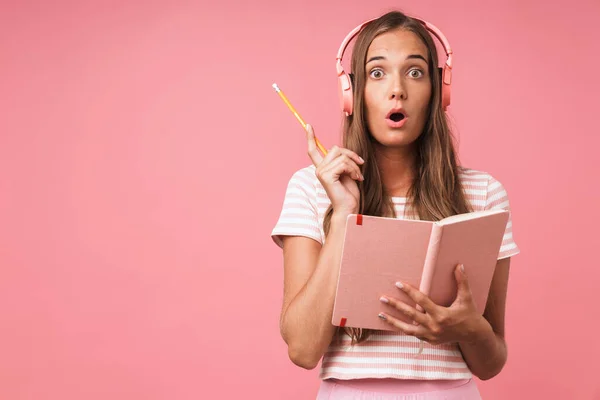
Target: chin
column 396, row 138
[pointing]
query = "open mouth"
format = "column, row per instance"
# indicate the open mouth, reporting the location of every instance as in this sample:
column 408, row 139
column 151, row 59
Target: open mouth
column 397, row 117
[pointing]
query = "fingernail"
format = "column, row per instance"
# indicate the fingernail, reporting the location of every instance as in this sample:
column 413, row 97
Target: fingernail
column 400, row 285
column 462, row 267
column 381, row 316
column 383, row 300
column 361, row 159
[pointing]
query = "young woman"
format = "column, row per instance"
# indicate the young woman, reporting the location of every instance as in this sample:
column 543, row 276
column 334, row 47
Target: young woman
column 397, row 160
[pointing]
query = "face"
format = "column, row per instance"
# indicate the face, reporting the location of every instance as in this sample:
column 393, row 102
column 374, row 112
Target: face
column 397, row 89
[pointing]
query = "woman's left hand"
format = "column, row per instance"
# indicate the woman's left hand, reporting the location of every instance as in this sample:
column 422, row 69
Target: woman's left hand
column 437, row 325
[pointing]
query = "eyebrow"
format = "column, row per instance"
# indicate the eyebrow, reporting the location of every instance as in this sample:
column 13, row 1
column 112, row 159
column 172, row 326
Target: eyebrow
column 412, row 56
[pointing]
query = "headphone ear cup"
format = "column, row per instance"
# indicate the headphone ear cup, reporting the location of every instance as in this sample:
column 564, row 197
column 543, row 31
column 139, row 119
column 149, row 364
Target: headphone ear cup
column 445, row 96
column 345, row 91
column 445, row 90
column 349, row 100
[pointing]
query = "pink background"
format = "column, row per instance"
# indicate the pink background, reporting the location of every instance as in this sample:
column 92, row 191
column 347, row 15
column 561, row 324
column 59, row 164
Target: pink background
column 144, row 158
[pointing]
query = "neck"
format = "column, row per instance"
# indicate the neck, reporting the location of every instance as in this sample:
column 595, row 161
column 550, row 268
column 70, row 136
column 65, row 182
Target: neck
column 397, row 167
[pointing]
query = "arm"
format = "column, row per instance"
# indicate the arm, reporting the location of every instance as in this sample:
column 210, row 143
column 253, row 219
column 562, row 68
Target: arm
column 311, row 272
column 310, row 280
column 486, row 352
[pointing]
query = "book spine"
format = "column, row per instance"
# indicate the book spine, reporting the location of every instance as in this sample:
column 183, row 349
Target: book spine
column 430, row 260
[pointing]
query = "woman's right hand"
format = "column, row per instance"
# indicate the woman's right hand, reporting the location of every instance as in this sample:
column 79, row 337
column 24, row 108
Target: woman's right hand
column 338, row 173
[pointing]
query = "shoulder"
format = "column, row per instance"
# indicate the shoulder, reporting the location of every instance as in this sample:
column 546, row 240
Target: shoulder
column 303, row 187
column 305, row 179
column 299, row 214
column 483, row 188
column 306, row 174
column 477, row 177
column 473, row 176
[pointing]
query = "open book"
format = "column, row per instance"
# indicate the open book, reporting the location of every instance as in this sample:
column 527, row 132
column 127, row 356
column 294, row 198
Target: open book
column 378, row 252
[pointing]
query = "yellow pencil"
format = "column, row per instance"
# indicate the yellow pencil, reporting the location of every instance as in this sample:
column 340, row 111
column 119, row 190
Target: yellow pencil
column 293, row 110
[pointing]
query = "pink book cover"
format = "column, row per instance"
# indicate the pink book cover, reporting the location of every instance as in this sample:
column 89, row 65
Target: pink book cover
column 379, row 251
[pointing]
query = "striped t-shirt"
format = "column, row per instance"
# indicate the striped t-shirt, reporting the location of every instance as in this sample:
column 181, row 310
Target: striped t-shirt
column 385, row 354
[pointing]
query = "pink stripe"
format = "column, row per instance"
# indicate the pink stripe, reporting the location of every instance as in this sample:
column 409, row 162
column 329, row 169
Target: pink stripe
column 508, row 253
column 307, row 180
column 393, row 374
column 475, row 176
column 295, row 225
column 476, row 183
column 296, row 196
column 396, row 339
column 301, row 216
column 479, row 189
column 472, row 198
column 289, row 229
column 404, row 367
column 330, row 356
column 497, row 203
column 499, row 189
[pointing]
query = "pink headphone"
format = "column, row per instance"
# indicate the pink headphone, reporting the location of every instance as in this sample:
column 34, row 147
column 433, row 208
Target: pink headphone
column 345, row 82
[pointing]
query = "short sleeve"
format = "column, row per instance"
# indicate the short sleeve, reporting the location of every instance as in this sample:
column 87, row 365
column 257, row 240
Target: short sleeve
column 497, row 198
column 299, row 215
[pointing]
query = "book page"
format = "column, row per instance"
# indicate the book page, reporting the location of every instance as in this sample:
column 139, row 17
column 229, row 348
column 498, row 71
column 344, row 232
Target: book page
column 469, row 216
column 375, row 256
column 474, row 243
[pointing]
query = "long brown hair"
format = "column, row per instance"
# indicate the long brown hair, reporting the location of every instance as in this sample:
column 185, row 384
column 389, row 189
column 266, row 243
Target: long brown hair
column 436, row 191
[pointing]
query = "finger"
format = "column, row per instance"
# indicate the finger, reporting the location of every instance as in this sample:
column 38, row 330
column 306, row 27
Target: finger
column 463, row 290
column 337, row 151
column 407, row 328
column 418, row 297
column 352, row 155
column 332, row 154
column 409, row 311
column 349, row 166
column 341, row 165
column 313, row 151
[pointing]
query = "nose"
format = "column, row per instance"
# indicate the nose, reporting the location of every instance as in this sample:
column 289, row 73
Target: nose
column 398, row 91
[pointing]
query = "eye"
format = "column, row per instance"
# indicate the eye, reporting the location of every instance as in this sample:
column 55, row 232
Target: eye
column 376, row 73
column 415, row 73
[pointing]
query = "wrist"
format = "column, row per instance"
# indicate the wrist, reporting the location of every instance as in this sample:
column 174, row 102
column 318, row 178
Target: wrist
column 340, row 217
column 339, row 220
column 477, row 329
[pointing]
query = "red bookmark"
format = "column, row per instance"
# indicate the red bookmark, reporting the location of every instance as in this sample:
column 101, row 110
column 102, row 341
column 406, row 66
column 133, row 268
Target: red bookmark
column 359, row 219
